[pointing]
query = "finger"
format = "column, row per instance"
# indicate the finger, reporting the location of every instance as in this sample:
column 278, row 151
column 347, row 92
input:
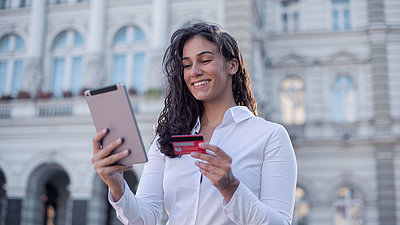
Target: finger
column 106, row 151
column 112, row 159
column 205, row 157
column 212, row 177
column 103, row 153
column 219, row 152
column 211, row 168
column 108, row 171
column 97, row 140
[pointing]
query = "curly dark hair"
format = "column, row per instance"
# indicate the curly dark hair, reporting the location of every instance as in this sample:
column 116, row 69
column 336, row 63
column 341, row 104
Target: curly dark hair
column 181, row 109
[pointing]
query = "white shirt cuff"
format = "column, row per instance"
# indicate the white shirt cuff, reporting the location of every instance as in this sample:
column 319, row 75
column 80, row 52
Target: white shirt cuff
column 127, row 202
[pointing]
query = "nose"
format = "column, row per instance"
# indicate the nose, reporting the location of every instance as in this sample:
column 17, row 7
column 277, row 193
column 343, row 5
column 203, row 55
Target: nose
column 195, row 70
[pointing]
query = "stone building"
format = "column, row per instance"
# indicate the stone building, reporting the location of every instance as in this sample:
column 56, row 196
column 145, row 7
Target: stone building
column 326, row 69
column 332, row 77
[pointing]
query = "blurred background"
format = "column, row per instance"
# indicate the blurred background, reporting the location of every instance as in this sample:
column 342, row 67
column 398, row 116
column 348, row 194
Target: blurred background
column 328, row 70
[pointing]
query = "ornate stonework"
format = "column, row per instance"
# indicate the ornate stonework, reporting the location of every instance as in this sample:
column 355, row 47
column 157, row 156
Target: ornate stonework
column 33, row 76
column 95, row 71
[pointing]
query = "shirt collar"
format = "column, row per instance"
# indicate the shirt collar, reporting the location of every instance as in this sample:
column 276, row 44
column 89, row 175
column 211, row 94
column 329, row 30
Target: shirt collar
column 237, row 114
column 234, row 114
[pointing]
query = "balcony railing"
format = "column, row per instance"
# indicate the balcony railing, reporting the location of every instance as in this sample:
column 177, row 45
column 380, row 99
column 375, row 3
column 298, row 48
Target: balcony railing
column 65, row 107
column 345, row 130
column 295, row 131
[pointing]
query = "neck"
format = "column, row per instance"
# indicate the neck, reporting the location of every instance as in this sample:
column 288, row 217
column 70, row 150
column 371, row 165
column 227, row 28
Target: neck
column 214, row 112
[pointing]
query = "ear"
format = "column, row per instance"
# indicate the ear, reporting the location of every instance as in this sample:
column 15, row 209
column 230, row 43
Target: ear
column 233, row 66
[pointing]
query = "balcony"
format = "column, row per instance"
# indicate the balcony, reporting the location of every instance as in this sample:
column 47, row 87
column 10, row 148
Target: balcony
column 330, row 131
column 66, row 107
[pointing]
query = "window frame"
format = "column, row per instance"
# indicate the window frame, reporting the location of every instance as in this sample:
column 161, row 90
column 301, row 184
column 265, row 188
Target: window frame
column 292, row 10
column 345, row 117
column 11, row 56
column 341, row 8
column 337, row 202
column 129, row 48
column 293, row 121
column 68, row 52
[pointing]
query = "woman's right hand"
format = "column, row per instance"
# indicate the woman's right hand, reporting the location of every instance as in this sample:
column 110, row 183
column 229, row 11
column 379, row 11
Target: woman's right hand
column 104, row 164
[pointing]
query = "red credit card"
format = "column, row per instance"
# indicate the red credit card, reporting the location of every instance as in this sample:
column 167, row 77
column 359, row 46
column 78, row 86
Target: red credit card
column 185, row 144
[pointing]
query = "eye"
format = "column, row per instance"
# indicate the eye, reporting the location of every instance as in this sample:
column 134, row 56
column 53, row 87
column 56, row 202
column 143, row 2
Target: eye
column 186, row 66
column 204, row 61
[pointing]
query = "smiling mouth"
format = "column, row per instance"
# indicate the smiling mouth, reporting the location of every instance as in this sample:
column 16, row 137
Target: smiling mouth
column 197, row 84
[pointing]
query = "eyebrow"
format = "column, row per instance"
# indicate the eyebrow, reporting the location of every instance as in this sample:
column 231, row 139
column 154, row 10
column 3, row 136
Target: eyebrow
column 200, row 54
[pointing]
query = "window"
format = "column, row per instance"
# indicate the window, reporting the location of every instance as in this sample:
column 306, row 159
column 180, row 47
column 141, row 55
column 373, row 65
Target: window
column 344, row 99
column 129, row 58
column 290, row 16
column 67, row 64
column 341, row 15
column 61, row 1
column 26, row 3
column 292, row 96
column 5, row 4
column 11, row 64
column 347, row 207
column 301, row 208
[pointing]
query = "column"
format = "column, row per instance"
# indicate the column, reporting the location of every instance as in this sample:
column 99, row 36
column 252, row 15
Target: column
column 95, row 70
column 13, row 211
column 79, row 208
column 160, row 23
column 240, row 24
column 383, row 139
column 159, row 42
column 33, row 72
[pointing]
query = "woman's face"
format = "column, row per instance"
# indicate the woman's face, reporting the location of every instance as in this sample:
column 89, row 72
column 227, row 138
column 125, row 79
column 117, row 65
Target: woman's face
column 207, row 74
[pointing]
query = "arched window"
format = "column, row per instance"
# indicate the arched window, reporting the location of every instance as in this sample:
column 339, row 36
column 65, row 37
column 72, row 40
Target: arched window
column 301, row 208
column 348, row 207
column 129, row 58
column 11, row 64
column 344, row 99
column 290, row 15
column 67, row 69
column 292, row 96
column 47, row 198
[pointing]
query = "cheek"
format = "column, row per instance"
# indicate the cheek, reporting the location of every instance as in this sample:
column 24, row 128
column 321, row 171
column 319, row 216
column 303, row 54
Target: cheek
column 186, row 78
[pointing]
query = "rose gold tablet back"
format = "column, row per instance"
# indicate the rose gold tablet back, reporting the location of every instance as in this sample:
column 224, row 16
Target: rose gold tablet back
column 110, row 108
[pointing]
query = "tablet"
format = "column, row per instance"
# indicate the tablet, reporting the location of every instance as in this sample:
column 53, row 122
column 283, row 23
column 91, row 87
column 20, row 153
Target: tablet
column 110, row 108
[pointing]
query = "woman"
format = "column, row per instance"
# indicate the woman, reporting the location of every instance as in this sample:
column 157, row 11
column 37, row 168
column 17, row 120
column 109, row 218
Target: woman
column 248, row 175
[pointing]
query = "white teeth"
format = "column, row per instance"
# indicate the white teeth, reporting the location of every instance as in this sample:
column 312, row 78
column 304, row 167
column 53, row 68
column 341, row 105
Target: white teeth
column 201, row 83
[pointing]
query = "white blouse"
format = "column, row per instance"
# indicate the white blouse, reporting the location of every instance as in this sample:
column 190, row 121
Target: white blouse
column 263, row 161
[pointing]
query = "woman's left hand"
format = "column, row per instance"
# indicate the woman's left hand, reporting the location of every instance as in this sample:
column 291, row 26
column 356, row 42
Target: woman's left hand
column 218, row 169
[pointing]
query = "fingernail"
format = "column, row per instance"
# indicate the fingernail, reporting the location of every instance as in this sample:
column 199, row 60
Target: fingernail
column 197, row 163
column 129, row 166
column 126, row 151
column 104, row 130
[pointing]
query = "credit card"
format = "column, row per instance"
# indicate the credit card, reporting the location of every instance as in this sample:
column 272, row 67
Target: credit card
column 185, row 144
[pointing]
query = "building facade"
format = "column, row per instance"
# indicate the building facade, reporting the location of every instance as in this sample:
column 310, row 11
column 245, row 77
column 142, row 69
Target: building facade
column 328, row 70
column 332, row 77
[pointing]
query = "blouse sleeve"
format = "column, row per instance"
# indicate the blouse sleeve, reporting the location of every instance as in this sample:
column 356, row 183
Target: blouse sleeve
column 278, row 185
column 147, row 205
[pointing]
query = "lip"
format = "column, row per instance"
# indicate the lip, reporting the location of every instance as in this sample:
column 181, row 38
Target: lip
column 207, row 81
